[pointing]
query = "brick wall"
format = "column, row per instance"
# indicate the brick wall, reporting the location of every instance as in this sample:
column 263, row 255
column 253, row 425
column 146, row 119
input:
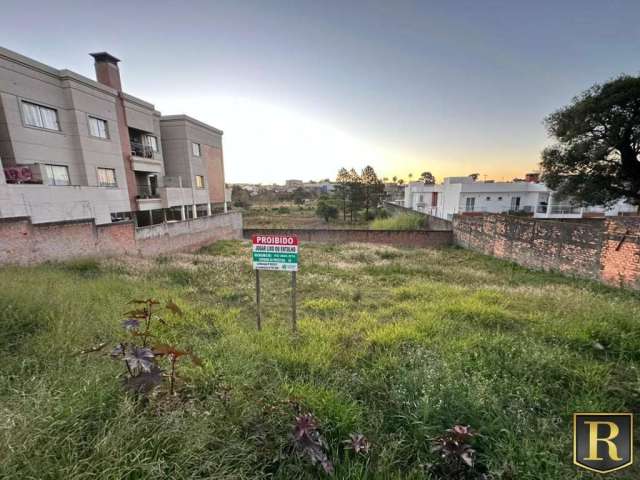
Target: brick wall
column 410, row 238
column 605, row 250
column 22, row 242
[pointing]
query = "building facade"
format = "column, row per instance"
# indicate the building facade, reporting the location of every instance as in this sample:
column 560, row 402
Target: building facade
column 466, row 195
column 74, row 148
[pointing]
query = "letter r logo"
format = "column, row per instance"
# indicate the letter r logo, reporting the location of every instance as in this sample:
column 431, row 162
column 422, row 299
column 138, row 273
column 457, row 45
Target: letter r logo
column 603, row 442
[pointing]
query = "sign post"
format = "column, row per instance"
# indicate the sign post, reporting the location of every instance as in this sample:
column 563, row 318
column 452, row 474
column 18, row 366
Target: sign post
column 276, row 253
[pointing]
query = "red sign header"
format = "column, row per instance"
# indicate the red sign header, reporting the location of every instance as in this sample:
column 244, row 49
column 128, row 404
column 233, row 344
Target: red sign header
column 274, row 239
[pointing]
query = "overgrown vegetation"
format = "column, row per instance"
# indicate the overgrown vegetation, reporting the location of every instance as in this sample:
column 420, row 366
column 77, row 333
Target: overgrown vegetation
column 398, row 351
column 405, row 221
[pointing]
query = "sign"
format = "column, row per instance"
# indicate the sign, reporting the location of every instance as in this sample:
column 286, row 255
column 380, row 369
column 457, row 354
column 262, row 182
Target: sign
column 275, row 252
column 603, row 442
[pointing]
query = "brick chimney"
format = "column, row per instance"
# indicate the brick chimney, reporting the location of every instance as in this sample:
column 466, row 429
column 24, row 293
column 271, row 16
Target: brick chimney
column 107, row 71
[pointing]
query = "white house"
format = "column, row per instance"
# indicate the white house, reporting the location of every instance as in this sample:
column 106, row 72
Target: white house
column 465, row 194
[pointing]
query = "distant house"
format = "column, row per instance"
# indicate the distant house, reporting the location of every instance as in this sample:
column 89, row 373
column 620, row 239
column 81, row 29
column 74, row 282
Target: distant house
column 75, row 148
column 465, row 195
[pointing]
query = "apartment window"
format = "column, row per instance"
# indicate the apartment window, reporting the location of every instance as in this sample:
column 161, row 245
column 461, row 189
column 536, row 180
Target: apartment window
column 57, row 174
column 421, row 198
column 488, row 199
column 39, row 116
column 515, row 203
column 195, row 148
column 199, row 180
column 434, row 199
column 500, row 198
column 152, row 142
column 470, row 204
column 107, row 177
column 98, row 128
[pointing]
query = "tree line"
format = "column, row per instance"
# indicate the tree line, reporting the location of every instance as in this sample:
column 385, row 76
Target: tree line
column 354, row 196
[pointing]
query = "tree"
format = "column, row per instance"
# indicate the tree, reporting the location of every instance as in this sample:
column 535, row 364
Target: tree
column 400, row 182
column 427, row 178
column 326, row 210
column 373, row 188
column 356, row 199
column 342, row 190
column 596, row 157
column 410, row 177
column 395, row 179
column 300, row 195
column 475, row 176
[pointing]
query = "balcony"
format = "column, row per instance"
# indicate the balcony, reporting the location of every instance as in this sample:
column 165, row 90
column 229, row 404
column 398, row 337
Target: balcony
column 141, row 150
column 146, row 191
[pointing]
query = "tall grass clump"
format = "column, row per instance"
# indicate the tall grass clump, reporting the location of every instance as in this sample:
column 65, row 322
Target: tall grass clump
column 405, row 221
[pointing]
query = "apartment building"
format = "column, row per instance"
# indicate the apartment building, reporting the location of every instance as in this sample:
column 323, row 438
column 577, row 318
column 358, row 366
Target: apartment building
column 75, row 148
column 467, row 195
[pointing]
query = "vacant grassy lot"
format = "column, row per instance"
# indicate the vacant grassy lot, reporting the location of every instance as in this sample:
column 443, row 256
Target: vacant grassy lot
column 396, row 344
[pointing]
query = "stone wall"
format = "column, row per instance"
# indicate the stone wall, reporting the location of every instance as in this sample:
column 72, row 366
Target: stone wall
column 607, row 250
column 409, row 238
column 22, row 242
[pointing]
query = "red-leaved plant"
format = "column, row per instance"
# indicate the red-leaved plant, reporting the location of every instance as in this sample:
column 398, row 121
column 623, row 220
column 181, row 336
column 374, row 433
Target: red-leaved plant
column 143, row 373
column 457, row 458
column 309, row 442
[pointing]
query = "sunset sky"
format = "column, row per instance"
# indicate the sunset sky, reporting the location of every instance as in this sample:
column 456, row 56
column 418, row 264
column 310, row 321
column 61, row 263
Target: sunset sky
column 302, row 88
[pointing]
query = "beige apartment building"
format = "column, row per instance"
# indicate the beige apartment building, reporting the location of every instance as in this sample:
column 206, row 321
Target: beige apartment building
column 74, row 148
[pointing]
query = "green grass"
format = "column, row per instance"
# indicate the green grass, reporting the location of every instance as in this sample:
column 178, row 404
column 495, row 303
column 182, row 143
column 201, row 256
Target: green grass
column 398, row 344
column 405, row 221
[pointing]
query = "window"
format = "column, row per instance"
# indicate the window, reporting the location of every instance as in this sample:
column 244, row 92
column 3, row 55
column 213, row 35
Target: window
column 151, row 142
column 195, row 148
column 39, row 116
column 98, row 128
column 107, row 177
column 470, row 204
column 434, row 199
column 421, row 198
column 515, row 203
column 199, row 180
column 57, row 174
column 499, row 198
column 488, row 199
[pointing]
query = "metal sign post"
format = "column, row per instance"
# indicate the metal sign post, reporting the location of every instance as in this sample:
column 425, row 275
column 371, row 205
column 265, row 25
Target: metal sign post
column 276, row 253
column 258, row 299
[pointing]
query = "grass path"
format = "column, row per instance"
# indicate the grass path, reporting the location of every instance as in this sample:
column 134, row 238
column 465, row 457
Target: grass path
column 397, row 344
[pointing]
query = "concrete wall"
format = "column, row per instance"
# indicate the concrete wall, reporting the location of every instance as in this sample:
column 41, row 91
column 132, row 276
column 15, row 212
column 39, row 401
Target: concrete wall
column 22, row 242
column 74, row 98
column 604, row 250
column 408, row 238
column 178, row 134
column 56, row 204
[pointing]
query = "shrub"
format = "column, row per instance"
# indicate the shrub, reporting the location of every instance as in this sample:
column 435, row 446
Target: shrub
column 408, row 221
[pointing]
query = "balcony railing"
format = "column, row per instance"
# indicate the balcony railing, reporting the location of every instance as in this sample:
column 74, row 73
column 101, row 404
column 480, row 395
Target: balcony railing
column 559, row 209
column 141, row 150
column 146, row 191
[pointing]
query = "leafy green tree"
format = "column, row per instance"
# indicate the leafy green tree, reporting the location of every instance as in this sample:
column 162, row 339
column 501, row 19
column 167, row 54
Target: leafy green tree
column 596, row 157
column 300, row 195
column 372, row 189
column 326, row 209
column 342, row 190
column 356, row 194
column 427, row 178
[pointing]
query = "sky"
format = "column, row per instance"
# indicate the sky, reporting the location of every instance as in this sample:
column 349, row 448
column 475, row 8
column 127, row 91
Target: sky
column 302, row 88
